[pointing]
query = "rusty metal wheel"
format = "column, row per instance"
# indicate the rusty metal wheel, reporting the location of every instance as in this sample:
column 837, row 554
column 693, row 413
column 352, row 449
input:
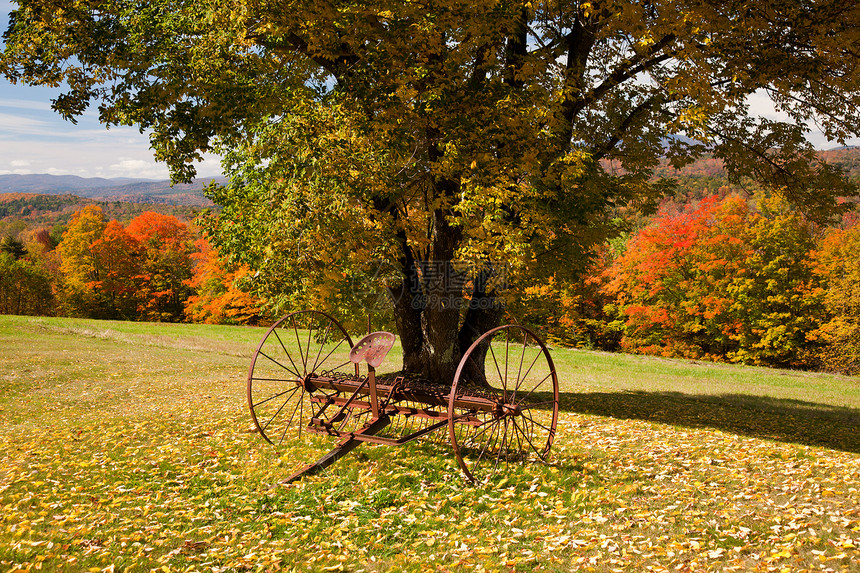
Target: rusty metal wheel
column 281, row 401
column 521, row 389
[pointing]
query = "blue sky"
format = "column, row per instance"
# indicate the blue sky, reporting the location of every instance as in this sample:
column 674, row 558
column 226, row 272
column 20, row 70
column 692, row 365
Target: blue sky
column 34, row 139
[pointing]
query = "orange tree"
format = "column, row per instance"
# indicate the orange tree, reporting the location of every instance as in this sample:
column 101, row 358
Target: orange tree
column 723, row 282
column 117, row 255
column 164, row 266
column 100, row 266
column 652, row 282
column 218, row 297
column 446, row 138
column 134, row 272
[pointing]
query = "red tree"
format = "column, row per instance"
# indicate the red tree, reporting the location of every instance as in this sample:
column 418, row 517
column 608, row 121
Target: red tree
column 165, row 265
column 118, row 257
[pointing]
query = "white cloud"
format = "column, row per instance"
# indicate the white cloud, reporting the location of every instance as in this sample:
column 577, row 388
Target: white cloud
column 26, row 104
column 14, row 125
column 147, row 169
column 34, row 139
column 101, row 156
column 762, row 106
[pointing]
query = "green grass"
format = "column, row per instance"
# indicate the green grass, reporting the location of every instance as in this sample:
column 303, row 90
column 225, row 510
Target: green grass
column 128, row 445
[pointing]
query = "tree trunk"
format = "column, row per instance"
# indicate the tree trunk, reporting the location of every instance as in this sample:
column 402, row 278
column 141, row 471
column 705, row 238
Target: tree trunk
column 485, row 312
column 437, row 323
column 440, row 308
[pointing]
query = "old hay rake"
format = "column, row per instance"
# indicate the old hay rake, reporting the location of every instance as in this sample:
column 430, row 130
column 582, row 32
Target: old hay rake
column 305, row 391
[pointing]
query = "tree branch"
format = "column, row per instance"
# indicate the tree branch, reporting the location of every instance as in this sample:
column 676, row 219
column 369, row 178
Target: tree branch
column 516, row 50
column 580, row 43
column 639, row 111
column 629, row 69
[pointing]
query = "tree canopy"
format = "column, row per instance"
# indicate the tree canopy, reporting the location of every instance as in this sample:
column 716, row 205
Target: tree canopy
column 423, row 133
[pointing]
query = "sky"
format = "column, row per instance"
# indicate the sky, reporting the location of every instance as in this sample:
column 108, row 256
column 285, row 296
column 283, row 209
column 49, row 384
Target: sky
column 34, row 139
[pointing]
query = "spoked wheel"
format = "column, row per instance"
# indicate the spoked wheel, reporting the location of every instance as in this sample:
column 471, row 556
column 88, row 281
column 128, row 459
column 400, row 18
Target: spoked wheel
column 511, row 370
column 281, row 402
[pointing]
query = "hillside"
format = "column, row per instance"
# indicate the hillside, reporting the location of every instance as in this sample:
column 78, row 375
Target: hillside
column 123, row 189
column 131, row 445
column 21, row 211
column 162, row 192
column 28, row 201
column 57, row 184
column 848, row 158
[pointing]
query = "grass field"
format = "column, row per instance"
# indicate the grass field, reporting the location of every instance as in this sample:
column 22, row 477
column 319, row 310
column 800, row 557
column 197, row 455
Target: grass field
column 128, row 446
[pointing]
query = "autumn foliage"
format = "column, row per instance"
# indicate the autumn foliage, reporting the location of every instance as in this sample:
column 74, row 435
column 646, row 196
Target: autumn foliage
column 720, row 281
column 151, row 269
column 25, row 286
column 724, row 278
column 838, row 266
column 218, row 297
column 570, row 314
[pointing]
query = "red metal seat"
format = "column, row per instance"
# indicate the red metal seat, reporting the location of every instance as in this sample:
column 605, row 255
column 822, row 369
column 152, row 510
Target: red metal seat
column 372, row 348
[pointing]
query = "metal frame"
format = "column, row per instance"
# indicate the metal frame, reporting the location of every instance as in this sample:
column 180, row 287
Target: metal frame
column 496, row 415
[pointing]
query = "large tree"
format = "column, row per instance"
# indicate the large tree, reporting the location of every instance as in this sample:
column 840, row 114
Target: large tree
column 446, row 138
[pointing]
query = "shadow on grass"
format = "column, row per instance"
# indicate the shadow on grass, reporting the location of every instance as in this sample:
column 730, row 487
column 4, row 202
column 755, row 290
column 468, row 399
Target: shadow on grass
column 791, row 421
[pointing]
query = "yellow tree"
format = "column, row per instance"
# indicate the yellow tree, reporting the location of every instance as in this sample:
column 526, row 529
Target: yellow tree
column 446, row 139
column 838, row 266
column 78, row 261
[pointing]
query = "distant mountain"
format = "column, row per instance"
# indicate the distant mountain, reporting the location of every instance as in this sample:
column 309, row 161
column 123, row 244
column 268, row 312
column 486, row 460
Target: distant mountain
column 56, row 184
column 23, row 211
column 847, row 158
column 148, row 191
column 119, row 189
